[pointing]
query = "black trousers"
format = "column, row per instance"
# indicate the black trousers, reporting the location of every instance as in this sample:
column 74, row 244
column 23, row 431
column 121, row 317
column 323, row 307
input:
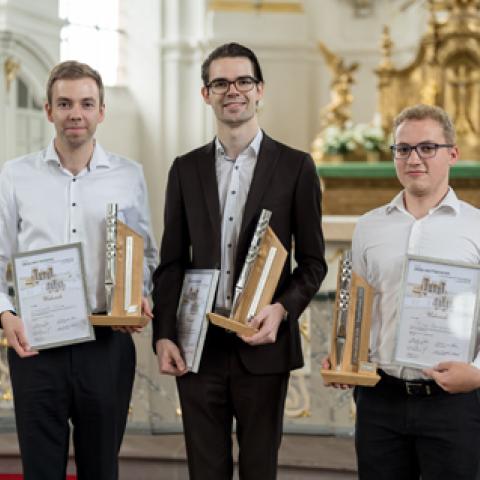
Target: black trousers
column 210, row 399
column 402, row 436
column 88, row 384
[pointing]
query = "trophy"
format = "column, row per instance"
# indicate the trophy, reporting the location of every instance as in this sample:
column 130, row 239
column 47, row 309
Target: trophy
column 351, row 330
column 123, row 274
column 258, row 279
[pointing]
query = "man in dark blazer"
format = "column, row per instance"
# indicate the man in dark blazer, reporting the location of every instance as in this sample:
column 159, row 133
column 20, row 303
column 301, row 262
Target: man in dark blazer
column 214, row 198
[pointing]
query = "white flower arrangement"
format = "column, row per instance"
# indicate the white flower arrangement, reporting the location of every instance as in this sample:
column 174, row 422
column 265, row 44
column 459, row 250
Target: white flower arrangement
column 338, row 141
column 370, row 137
column 352, row 138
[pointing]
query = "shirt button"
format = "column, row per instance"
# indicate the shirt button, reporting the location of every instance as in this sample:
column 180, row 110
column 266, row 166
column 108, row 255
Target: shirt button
column 228, row 297
column 74, row 204
column 228, row 272
column 233, row 192
column 236, row 168
column 74, row 180
column 74, row 230
column 229, row 245
column 230, row 218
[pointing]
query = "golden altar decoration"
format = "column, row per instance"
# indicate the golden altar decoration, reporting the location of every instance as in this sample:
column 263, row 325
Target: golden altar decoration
column 445, row 72
column 339, row 139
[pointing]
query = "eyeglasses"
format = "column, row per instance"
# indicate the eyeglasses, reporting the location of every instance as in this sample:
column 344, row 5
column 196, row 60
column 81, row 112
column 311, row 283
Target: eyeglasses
column 222, row 85
column 402, row 151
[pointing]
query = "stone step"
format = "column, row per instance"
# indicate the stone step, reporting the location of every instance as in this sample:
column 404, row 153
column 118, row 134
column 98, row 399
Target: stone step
column 158, row 457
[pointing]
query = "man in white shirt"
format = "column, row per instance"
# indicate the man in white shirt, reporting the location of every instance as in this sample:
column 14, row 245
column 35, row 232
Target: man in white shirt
column 408, row 426
column 57, row 196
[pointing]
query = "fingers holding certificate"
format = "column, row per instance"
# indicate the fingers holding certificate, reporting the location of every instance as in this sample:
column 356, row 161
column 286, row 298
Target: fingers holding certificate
column 51, row 296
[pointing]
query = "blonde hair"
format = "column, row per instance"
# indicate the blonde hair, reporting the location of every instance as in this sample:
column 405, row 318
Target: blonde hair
column 422, row 112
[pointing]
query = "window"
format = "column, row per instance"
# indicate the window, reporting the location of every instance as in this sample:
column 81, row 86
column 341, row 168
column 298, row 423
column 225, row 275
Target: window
column 91, row 35
column 30, row 127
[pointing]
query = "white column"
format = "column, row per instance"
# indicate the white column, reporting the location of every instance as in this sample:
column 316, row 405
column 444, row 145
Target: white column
column 164, row 52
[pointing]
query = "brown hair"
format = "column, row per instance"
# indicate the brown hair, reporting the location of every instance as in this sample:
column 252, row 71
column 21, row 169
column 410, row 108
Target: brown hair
column 422, row 112
column 72, row 70
column 229, row 50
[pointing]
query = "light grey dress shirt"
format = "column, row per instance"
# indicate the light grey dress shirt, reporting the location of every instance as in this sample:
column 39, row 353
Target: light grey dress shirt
column 382, row 239
column 234, row 177
column 42, row 205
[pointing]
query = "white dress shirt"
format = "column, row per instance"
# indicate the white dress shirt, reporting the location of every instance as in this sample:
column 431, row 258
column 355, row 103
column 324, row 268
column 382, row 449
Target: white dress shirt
column 42, row 205
column 234, row 177
column 381, row 240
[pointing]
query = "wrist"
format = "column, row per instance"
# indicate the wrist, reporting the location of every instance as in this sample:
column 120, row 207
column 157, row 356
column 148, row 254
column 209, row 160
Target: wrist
column 284, row 312
column 4, row 312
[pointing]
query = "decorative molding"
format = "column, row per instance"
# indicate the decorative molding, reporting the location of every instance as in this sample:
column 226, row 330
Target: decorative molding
column 37, row 17
column 255, row 6
column 10, row 70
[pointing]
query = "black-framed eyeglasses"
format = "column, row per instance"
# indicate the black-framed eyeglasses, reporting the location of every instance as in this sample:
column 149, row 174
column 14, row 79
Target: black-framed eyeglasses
column 242, row 84
column 402, row 151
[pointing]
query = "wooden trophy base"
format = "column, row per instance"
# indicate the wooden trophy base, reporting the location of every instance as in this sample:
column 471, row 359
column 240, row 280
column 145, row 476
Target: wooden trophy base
column 233, row 325
column 350, row 378
column 118, row 321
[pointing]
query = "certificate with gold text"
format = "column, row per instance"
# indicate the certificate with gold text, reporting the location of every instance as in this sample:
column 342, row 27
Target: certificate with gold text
column 51, row 296
column 196, row 299
column 437, row 313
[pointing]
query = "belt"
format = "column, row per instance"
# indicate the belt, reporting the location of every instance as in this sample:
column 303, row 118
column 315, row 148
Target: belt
column 411, row 388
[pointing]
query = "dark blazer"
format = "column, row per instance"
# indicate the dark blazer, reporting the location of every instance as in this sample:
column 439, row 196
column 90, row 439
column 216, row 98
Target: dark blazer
column 285, row 182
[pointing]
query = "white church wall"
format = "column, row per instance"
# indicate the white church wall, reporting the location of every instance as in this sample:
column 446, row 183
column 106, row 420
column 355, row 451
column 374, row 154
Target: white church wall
column 121, row 129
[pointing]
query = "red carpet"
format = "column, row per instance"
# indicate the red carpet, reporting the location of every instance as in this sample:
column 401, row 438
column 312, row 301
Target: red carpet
column 14, row 476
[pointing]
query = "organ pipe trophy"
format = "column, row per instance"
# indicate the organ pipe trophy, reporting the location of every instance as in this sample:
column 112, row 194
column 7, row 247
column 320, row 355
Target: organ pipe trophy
column 258, row 279
column 351, row 330
column 123, row 274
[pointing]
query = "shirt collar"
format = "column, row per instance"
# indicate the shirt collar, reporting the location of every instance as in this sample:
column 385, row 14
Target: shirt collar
column 99, row 158
column 253, row 147
column 450, row 202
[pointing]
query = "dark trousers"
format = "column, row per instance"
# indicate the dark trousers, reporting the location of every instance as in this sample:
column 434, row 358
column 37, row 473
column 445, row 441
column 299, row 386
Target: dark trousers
column 89, row 384
column 401, row 436
column 210, row 399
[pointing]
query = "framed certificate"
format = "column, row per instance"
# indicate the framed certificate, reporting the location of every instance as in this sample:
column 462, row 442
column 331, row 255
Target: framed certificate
column 196, row 299
column 438, row 312
column 51, row 296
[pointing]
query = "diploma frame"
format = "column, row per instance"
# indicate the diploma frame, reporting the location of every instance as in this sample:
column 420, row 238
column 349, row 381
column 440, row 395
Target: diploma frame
column 42, row 268
column 413, row 342
column 196, row 300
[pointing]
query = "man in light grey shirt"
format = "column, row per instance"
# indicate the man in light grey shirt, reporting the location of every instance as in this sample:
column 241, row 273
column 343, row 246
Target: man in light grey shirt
column 408, row 426
column 54, row 197
column 234, row 177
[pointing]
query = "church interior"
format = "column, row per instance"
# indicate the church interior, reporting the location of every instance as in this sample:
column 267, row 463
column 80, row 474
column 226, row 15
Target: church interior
column 336, row 74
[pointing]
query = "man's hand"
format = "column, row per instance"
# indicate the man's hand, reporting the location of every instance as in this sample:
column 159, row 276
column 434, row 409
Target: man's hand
column 146, row 312
column 170, row 361
column 15, row 334
column 326, row 365
column 267, row 321
column 455, row 377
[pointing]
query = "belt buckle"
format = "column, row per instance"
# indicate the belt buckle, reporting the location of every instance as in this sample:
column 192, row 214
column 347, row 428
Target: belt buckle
column 416, row 388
